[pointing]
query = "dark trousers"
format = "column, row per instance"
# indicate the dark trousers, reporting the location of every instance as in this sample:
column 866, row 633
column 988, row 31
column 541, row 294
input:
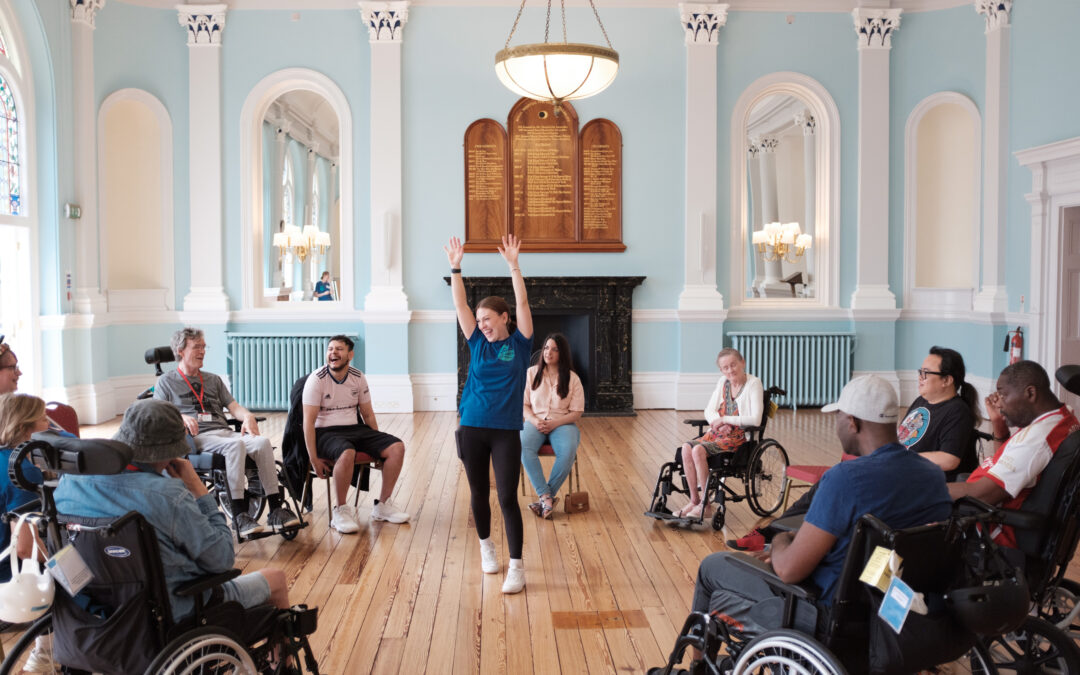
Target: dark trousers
column 477, row 447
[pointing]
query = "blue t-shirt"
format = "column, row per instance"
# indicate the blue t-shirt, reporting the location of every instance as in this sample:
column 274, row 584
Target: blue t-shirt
column 496, row 382
column 899, row 487
column 13, row 498
column 321, row 287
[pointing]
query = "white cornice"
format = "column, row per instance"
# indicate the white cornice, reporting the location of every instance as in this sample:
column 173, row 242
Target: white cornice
column 735, row 5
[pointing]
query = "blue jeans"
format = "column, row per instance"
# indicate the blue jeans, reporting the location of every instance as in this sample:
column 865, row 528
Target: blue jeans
column 564, row 440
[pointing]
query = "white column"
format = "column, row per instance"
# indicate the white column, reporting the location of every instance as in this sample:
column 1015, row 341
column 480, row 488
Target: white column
column 753, row 171
column 770, row 209
column 333, row 222
column 205, row 24
column 386, row 24
column 277, row 166
column 874, row 28
column 992, row 296
column 808, row 124
column 310, row 265
column 702, row 23
column 89, row 298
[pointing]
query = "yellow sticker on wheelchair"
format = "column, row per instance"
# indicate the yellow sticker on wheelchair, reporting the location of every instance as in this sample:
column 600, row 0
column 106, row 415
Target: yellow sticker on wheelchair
column 880, row 568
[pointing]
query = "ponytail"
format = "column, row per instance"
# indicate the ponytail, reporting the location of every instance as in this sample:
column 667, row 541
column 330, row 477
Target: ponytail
column 971, row 397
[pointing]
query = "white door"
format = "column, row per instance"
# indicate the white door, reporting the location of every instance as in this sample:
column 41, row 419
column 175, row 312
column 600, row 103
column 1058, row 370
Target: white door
column 16, row 295
column 1069, row 308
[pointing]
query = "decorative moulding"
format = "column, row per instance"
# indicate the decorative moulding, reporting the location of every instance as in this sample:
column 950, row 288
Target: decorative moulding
column 204, row 23
column 702, row 22
column 996, row 13
column 734, row 5
column 874, row 27
column 385, row 20
column 84, row 11
column 434, row 316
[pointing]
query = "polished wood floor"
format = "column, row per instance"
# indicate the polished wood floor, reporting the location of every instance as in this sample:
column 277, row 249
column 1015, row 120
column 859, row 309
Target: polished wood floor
column 606, row 591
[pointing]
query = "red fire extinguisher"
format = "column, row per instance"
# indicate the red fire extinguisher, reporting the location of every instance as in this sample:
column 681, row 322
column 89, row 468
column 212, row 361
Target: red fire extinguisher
column 1014, row 344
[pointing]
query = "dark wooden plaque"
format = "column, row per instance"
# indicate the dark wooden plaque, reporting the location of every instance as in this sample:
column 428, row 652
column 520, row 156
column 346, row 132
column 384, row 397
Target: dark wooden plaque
column 601, row 182
column 485, row 182
column 543, row 177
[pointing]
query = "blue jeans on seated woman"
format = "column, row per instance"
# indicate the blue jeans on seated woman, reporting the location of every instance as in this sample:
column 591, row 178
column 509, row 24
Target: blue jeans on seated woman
column 564, row 440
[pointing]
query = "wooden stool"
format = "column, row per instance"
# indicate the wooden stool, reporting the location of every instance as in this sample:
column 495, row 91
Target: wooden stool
column 572, row 479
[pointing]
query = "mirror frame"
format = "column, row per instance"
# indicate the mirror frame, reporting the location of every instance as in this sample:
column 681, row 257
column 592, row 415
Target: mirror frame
column 827, row 190
column 256, row 104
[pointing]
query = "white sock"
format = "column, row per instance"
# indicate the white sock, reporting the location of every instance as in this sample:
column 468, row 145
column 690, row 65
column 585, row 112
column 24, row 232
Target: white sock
column 516, row 563
column 487, row 543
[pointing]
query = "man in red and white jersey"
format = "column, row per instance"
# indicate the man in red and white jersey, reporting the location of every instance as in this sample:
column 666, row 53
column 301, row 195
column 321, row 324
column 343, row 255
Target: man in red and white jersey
column 1025, row 401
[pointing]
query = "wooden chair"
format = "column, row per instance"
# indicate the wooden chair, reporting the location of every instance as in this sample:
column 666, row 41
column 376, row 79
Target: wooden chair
column 63, row 415
column 361, row 485
column 573, row 480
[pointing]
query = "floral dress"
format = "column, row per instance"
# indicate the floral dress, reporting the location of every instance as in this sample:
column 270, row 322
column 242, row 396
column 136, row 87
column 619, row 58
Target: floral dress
column 729, row 441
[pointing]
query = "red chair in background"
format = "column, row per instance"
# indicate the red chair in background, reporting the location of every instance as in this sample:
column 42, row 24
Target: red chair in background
column 803, row 476
column 63, row 416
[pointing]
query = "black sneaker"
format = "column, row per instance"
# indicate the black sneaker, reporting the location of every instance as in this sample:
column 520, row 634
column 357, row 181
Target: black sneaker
column 246, row 525
column 281, row 518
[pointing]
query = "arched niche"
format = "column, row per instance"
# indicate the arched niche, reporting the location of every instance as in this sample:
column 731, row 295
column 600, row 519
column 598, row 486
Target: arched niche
column 942, row 187
column 135, row 201
column 824, row 190
column 254, row 235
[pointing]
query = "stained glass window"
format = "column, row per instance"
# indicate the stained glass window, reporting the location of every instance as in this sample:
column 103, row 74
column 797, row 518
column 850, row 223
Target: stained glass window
column 3, row 47
column 10, row 192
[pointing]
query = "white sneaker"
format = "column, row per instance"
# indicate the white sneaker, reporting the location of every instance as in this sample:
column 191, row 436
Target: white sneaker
column 40, row 658
column 344, row 520
column 488, row 561
column 515, row 580
column 386, row 511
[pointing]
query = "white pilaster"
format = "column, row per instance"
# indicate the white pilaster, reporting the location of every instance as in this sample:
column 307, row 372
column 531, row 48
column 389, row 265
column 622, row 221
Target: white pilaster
column 702, row 23
column 277, row 166
column 808, row 124
column 992, row 296
column 89, row 298
column 205, row 25
column 874, row 28
column 770, row 208
column 386, row 24
column 753, row 170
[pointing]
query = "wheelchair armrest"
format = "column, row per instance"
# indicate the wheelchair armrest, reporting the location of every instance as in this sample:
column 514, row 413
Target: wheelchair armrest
column 207, row 461
column 768, row 575
column 983, row 435
column 699, row 423
column 197, row 586
column 789, row 524
column 238, row 424
column 1021, row 520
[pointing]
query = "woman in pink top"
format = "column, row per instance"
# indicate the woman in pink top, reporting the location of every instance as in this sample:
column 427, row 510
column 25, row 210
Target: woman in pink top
column 554, row 401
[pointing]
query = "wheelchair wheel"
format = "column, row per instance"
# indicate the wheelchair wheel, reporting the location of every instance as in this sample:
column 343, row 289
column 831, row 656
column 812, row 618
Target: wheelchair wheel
column 1063, row 607
column 787, row 651
column 1036, row 647
column 22, row 657
column 203, row 650
column 765, row 476
column 718, row 519
column 255, row 495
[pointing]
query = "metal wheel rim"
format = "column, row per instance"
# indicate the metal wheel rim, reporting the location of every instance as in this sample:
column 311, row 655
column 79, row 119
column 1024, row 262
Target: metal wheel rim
column 793, row 656
column 771, row 462
column 203, row 650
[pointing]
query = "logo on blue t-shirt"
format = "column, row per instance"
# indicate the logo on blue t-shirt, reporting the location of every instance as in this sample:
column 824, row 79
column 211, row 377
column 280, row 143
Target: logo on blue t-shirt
column 506, row 353
column 913, row 428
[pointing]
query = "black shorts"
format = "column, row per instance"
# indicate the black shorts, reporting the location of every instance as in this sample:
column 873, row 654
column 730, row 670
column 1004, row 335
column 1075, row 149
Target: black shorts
column 331, row 442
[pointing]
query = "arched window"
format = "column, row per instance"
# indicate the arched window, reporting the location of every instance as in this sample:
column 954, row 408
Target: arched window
column 10, row 156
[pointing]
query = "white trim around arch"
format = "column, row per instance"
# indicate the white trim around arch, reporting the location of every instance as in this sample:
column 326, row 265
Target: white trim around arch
column 949, row 300
column 251, row 179
column 150, row 299
column 827, row 191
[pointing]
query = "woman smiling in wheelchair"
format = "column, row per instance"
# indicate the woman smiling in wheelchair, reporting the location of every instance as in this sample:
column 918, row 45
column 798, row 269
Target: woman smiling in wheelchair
column 736, row 403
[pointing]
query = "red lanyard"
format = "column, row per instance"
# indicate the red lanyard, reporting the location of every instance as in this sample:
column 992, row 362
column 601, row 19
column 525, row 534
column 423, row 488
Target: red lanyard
column 198, row 394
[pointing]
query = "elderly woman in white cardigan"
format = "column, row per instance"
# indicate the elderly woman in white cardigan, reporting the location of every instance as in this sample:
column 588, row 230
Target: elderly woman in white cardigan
column 736, row 403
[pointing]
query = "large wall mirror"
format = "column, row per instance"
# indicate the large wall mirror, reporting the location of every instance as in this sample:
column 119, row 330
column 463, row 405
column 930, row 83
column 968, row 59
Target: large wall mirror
column 297, row 202
column 785, row 133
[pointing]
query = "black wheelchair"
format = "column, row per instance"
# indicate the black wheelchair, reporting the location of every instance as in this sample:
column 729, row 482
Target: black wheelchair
column 122, row 622
column 211, row 468
column 761, row 463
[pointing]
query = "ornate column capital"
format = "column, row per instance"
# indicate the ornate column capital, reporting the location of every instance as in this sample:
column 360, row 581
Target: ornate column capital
column 996, row 11
column 204, row 23
column 768, row 144
column 385, row 20
column 752, row 150
column 702, row 22
column 874, row 27
column 83, row 11
column 807, row 122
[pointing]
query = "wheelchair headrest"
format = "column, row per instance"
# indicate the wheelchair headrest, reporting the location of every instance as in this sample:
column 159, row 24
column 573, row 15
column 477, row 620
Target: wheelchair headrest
column 156, row 355
column 1069, row 377
column 63, row 454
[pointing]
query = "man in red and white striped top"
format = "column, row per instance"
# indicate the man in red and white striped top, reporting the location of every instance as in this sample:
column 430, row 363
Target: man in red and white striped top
column 1023, row 400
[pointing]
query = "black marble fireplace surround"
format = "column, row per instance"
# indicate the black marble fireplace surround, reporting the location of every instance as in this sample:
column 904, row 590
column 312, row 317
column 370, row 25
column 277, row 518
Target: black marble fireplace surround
column 593, row 312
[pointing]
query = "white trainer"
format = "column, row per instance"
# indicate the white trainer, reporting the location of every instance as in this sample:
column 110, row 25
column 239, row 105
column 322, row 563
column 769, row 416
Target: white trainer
column 488, row 561
column 344, row 520
column 515, row 580
column 40, row 658
column 386, row 511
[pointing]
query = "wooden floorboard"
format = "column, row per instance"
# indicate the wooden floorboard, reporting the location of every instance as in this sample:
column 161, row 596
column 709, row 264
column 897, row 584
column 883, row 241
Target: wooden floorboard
column 607, row 591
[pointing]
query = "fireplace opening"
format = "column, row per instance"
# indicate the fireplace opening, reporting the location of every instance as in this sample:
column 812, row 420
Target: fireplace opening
column 578, row 330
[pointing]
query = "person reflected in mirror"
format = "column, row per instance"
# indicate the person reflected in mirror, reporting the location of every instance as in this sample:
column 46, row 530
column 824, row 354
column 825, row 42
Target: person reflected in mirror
column 323, row 291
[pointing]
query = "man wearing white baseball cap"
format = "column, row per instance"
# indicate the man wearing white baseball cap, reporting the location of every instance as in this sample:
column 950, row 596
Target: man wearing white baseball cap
column 886, row 480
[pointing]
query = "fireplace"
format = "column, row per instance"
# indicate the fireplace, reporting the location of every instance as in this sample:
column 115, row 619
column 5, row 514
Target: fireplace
column 594, row 314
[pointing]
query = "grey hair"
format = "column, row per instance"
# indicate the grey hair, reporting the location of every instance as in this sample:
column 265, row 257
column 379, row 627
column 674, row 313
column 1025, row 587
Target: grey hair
column 181, row 337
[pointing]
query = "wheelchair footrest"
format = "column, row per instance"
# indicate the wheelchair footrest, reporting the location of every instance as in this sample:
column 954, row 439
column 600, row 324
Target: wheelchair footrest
column 304, row 619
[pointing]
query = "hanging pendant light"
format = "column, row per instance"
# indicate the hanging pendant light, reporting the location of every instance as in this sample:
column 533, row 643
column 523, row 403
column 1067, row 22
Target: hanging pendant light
column 556, row 71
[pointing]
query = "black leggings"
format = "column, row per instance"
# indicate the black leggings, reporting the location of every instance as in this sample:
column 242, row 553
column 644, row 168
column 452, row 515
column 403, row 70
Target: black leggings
column 503, row 446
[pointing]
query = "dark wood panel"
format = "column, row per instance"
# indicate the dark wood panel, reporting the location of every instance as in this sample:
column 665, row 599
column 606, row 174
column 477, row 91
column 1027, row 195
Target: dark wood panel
column 543, row 171
column 486, row 205
column 601, row 182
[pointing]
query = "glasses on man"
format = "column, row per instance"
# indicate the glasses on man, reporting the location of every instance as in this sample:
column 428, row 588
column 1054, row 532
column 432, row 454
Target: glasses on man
column 923, row 372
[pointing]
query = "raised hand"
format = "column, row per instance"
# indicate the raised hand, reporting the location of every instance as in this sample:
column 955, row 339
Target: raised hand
column 510, row 248
column 993, row 407
column 454, row 252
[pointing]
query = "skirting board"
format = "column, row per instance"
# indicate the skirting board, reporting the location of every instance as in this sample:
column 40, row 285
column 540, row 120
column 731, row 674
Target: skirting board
column 391, row 393
column 434, row 391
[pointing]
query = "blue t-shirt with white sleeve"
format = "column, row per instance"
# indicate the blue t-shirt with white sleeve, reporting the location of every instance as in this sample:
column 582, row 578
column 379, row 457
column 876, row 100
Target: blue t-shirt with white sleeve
column 492, row 395
column 901, row 488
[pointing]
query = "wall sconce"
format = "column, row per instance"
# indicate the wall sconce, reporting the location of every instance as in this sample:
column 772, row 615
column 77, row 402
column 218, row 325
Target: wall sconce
column 782, row 241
